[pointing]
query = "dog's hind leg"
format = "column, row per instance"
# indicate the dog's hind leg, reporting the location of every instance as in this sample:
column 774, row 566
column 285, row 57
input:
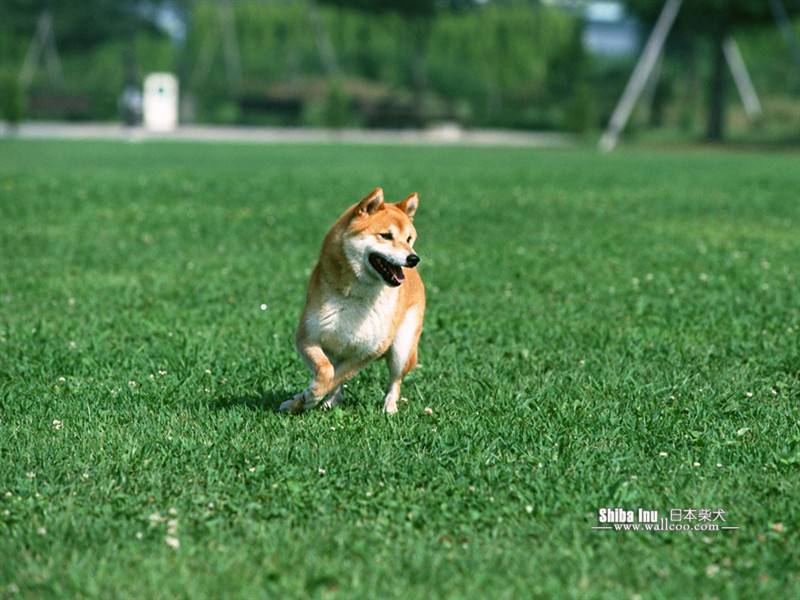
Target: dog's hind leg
column 402, row 357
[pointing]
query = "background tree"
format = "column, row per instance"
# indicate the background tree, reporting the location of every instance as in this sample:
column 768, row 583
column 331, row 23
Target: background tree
column 79, row 25
column 714, row 21
column 418, row 17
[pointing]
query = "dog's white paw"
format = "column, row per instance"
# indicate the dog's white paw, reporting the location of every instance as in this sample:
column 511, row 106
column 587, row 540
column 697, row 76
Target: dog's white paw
column 390, row 406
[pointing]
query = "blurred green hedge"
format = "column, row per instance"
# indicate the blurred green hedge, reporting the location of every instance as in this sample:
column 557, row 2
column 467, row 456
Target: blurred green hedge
column 501, row 64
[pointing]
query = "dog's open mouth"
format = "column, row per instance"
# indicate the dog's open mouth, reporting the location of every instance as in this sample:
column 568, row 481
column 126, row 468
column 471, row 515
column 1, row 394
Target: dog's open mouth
column 391, row 273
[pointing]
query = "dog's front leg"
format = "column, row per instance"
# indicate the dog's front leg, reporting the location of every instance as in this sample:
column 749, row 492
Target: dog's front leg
column 322, row 377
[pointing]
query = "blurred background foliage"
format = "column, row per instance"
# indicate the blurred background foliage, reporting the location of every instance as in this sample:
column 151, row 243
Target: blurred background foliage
column 496, row 63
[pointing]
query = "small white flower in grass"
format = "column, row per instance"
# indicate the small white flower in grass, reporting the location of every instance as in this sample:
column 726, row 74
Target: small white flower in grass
column 41, row 531
column 703, row 276
column 162, row 372
column 777, row 527
column 30, row 475
column 774, row 392
column 529, row 509
column 428, row 410
column 6, row 513
column 662, row 454
column 172, row 542
column 740, row 432
column 696, row 464
column 263, row 307
column 155, row 517
column 151, row 377
column 208, row 371
column 132, row 383
column 712, row 570
column 749, row 394
column 62, row 380
column 9, row 494
column 13, row 588
column 84, row 476
column 172, row 526
column 252, row 469
column 173, row 511
column 57, row 424
column 321, row 471
column 139, row 535
column 210, row 505
column 72, row 345
column 719, row 465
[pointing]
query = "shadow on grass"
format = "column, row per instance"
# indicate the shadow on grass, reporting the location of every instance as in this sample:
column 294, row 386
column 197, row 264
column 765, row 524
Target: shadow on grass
column 265, row 400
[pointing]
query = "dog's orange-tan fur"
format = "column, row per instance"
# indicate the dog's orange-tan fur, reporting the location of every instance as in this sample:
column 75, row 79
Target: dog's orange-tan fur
column 354, row 314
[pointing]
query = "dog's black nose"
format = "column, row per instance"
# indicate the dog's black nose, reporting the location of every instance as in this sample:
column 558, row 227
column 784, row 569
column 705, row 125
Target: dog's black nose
column 412, row 260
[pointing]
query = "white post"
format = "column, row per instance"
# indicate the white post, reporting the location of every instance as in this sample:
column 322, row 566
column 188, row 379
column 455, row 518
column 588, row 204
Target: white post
column 641, row 73
column 160, row 104
column 741, row 78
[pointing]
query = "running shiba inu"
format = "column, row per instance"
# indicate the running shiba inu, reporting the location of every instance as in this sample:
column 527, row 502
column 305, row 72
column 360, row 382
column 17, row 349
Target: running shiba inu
column 364, row 301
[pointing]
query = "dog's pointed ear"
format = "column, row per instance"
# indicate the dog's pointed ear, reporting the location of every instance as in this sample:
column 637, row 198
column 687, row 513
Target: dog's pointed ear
column 410, row 205
column 371, row 203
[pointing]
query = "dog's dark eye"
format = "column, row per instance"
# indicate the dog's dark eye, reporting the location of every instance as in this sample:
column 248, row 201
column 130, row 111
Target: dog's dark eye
column 387, row 236
column 408, row 240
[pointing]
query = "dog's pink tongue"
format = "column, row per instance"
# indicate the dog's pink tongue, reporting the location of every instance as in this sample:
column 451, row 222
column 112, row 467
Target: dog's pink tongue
column 398, row 274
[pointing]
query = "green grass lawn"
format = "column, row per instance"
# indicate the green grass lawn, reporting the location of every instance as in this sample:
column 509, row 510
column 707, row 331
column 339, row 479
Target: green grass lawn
column 602, row 331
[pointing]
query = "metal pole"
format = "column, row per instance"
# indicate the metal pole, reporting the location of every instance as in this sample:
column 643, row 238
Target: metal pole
column 641, row 73
column 230, row 45
column 742, row 78
column 785, row 25
column 34, row 51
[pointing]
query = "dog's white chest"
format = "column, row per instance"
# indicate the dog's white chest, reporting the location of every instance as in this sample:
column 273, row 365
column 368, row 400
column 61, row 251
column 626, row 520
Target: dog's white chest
column 355, row 327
